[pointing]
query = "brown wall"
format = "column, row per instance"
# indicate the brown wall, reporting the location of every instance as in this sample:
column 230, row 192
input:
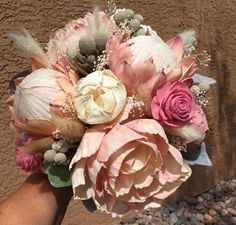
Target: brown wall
column 216, row 22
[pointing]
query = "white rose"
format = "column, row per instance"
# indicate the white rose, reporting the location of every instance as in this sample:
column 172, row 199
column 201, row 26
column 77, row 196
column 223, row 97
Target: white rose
column 99, row 97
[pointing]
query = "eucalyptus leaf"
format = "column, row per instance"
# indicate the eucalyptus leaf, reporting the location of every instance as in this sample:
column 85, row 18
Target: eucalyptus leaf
column 58, row 176
column 198, row 156
column 198, row 78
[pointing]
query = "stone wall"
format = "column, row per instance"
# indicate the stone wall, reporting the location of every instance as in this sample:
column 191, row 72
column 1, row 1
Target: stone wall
column 215, row 22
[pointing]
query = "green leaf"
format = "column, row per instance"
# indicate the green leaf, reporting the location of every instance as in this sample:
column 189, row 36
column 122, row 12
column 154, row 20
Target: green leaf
column 58, row 176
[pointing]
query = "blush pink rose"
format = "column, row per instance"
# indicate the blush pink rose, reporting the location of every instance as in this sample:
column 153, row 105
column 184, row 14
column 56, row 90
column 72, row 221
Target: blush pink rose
column 173, row 105
column 27, row 162
column 129, row 167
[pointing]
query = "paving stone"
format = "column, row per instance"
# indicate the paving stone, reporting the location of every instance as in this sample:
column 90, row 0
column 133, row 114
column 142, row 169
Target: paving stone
column 233, row 220
column 216, row 207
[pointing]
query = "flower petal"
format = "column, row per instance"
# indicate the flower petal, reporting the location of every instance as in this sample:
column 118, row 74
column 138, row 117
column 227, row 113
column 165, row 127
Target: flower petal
column 176, row 44
column 115, row 139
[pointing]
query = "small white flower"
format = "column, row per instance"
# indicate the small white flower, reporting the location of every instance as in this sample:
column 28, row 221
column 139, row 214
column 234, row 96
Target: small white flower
column 99, row 97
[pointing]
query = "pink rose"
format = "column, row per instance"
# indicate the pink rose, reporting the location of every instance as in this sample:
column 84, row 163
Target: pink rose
column 173, row 105
column 128, row 167
column 25, row 161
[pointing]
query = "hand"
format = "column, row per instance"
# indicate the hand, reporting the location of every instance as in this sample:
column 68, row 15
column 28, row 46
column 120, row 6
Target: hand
column 35, row 202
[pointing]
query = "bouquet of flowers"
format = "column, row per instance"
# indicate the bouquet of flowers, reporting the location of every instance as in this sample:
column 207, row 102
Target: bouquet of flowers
column 111, row 109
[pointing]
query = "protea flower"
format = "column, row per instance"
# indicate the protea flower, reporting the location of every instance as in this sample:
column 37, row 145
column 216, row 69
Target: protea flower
column 81, row 41
column 39, row 100
column 167, row 58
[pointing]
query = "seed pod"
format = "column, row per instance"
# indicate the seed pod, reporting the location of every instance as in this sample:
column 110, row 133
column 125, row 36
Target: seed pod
column 123, row 15
column 134, row 24
column 129, row 13
column 79, row 57
column 119, row 17
column 49, row 155
column 60, row 146
column 91, row 59
column 101, row 40
column 60, row 158
column 204, row 86
column 138, row 17
column 87, row 45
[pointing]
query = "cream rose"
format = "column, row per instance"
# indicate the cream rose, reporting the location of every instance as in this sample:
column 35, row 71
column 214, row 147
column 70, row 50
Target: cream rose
column 99, row 97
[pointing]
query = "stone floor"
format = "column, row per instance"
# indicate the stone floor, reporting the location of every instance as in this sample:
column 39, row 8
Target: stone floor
column 215, row 207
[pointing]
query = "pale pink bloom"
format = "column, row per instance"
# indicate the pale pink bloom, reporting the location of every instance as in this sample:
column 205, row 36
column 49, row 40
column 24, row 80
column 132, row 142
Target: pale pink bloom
column 65, row 42
column 153, row 47
column 38, row 98
column 173, row 105
column 149, row 60
column 25, row 161
column 128, row 167
column 186, row 64
column 133, row 73
column 195, row 131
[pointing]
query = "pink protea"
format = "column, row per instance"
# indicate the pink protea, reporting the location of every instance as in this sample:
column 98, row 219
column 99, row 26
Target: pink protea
column 133, row 74
column 25, row 161
column 42, row 103
column 186, row 64
column 65, row 42
column 126, row 60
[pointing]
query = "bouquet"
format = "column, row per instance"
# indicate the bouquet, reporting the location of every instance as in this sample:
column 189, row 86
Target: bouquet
column 112, row 110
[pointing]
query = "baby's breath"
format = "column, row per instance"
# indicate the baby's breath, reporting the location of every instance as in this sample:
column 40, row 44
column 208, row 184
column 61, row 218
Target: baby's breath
column 111, row 8
column 190, row 48
column 178, row 143
column 124, row 30
column 201, row 98
column 137, row 106
column 102, row 62
column 68, row 107
column 202, row 59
